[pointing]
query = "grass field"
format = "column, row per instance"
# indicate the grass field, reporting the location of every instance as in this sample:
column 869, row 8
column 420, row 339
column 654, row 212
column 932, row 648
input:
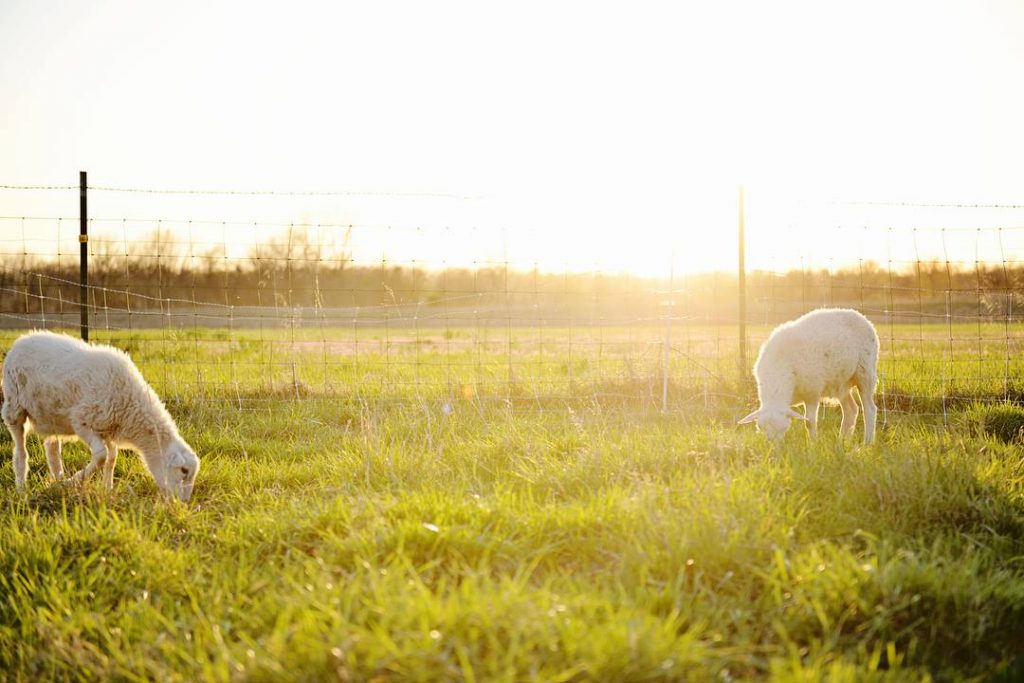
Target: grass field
column 923, row 368
column 445, row 537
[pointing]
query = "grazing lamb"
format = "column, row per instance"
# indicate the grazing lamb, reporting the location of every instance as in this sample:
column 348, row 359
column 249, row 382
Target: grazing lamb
column 60, row 386
column 823, row 354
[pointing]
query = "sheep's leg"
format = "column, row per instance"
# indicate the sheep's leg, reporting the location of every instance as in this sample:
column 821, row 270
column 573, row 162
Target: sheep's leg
column 811, row 413
column 108, row 466
column 52, row 446
column 96, row 446
column 850, row 411
column 866, row 387
column 17, row 430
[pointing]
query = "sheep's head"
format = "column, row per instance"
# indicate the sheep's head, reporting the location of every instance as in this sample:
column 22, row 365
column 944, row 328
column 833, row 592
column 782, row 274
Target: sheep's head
column 181, row 465
column 772, row 423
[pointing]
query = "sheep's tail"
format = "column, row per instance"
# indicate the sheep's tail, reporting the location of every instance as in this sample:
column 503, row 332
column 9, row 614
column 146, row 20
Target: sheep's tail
column 867, row 364
column 3, row 357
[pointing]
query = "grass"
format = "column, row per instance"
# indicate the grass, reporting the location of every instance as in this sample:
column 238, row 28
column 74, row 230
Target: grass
column 1005, row 422
column 923, row 368
column 447, row 538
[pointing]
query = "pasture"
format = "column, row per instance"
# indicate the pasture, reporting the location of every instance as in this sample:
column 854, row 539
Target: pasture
column 511, row 504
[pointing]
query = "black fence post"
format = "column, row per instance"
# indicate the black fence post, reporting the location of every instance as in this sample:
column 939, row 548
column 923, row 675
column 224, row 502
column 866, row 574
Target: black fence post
column 83, row 243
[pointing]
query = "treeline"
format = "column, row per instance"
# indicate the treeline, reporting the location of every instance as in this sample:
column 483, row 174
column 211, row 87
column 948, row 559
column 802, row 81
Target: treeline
column 290, row 272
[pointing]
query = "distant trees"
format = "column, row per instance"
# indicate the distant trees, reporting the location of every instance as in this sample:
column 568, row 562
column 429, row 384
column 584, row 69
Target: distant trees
column 297, row 269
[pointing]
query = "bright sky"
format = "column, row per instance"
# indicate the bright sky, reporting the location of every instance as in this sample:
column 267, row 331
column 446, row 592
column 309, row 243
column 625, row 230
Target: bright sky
column 591, row 134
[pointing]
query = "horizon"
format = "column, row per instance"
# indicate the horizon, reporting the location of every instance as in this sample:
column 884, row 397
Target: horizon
column 442, row 231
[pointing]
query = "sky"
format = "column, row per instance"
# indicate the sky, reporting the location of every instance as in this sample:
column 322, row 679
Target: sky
column 559, row 134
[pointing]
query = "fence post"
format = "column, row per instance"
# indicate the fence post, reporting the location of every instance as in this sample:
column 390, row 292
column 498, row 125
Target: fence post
column 667, row 351
column 83, row 244
column 742, row 286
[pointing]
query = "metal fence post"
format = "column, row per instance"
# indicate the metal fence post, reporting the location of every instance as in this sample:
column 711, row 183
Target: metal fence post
column 83, row 243
column 742, row 286
column 667, row 351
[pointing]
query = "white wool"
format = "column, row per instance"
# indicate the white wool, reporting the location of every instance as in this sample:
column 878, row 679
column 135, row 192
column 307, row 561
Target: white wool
column 821, row 355
column 59, row 386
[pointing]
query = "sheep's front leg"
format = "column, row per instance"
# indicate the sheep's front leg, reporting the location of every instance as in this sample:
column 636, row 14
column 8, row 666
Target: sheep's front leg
column 96, row 446
column 811, row 413
column 17, row 430
column 108, row 466
column 52, row 446
column 850, row 411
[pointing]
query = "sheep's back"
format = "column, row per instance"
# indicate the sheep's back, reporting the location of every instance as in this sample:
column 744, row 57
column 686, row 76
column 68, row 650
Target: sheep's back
column 822, row 350
column 51, row 376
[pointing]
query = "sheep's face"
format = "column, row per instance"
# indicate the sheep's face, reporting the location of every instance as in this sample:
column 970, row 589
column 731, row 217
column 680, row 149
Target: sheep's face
column 181, row 470
column 772, row 423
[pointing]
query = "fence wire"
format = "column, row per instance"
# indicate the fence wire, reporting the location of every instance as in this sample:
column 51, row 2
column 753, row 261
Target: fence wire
column 255, row 311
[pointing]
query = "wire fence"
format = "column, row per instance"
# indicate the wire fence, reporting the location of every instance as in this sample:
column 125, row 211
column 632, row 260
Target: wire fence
column 248, row 312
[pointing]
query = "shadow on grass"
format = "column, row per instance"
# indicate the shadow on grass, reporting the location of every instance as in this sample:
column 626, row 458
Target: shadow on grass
column 937, row 536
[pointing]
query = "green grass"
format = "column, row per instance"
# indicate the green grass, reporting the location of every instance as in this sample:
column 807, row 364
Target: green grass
column 346, row 538
column 928, row 368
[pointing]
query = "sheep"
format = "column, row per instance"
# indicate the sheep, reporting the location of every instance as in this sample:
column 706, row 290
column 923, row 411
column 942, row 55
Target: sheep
column 59, row 386
column 822, row 354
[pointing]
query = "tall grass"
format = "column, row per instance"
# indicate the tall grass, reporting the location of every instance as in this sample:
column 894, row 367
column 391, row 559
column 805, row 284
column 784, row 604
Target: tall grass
column 351, row 539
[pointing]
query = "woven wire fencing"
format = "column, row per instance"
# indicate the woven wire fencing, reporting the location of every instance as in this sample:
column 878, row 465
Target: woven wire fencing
column 943, row 284
column 248, row 312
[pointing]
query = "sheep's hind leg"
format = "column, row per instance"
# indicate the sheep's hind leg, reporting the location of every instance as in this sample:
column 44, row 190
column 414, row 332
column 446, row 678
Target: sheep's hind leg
column 108, row 466
column 866, row 386
column 850, row 411
column 52, row 446
column 20, row 456
column 98, row 449
column 811, row 413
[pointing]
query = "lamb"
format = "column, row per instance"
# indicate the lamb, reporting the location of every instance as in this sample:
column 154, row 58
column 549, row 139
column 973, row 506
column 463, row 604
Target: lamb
column 59, row 386
column 822, row 354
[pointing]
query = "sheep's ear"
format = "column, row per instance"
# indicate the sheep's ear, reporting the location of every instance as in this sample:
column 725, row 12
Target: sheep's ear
column 750, row 418
column 792, row 413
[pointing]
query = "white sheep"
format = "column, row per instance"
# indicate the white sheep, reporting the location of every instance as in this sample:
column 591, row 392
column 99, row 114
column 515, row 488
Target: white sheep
column 823, row 354
column 59, row 386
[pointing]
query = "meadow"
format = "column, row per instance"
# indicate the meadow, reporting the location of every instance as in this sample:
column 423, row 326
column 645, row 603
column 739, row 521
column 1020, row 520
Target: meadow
column 512, row 504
